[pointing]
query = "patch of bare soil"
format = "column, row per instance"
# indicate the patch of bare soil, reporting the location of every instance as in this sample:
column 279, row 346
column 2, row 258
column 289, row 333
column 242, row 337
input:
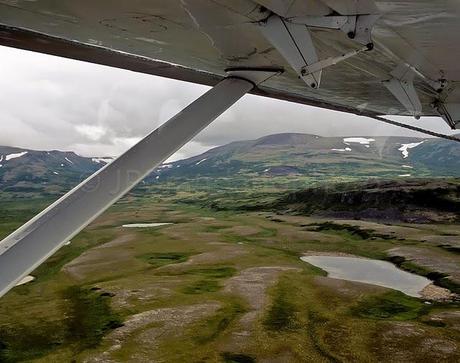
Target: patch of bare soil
column 446, row 318
column 297, row 234
column 183, row 229
column 450, row 241
column 243, row 231
column 283, row 357
column 437, row 293
column 124, row 298
column 409, row 342
column 226, row 253
column 135, row 290
column 119, row 241
column 252, row 285
column 145, row 330
column 99, row 257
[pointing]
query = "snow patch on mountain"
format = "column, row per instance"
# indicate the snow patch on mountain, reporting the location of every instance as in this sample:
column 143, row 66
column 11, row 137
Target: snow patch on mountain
column 346, row 149
column 358, row 140
column 405, row 148
column 198, row 163
column 15, row 155
column 102, row 160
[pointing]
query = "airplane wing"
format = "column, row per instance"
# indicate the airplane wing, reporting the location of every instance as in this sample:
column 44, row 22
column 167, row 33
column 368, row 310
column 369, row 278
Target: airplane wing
column 412, row 68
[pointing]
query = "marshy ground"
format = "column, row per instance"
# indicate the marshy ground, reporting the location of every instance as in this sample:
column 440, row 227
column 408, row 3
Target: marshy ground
column 230, row 287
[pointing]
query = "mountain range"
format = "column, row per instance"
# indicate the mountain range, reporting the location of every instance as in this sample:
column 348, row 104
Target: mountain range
column 304, row 154
column 288, row 155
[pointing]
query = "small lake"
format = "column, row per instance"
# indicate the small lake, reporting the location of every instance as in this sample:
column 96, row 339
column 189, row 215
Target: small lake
column 144, row 225
column 369, row 271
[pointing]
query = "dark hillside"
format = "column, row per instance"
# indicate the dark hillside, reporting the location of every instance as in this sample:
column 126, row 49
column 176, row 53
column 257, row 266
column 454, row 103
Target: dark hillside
column 414, row 200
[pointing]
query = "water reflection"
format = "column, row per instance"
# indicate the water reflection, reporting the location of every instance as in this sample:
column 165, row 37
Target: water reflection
column 144, row 225
column 374, row 272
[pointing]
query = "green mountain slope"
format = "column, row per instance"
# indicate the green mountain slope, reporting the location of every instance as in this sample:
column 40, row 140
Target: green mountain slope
column 291, row 158
column 323, row 157
column 29, row 171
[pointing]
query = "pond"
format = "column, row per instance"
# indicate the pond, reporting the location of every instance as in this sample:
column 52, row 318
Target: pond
column 144, row 225
column 369, row 271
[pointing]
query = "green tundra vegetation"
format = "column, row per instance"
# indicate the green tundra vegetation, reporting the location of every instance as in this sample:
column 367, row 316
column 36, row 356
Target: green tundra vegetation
column 224, row 283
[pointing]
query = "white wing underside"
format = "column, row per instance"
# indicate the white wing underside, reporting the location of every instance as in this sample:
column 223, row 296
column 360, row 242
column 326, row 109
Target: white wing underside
column 206, row 37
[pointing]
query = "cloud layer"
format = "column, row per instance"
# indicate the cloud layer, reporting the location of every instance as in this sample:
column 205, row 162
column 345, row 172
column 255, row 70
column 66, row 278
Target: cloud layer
column 54, row 103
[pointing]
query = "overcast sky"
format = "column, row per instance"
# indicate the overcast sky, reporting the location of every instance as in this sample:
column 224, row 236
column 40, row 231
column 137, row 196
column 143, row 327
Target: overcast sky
column 54, row 103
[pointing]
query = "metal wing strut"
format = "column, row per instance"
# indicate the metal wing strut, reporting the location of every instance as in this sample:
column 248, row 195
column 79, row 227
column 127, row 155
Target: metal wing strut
column 30, row 245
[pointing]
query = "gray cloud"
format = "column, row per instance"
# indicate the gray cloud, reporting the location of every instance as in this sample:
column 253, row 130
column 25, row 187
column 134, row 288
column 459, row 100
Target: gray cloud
column 53, row 103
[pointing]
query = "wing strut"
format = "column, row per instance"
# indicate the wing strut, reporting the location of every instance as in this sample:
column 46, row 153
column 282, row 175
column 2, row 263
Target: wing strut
column 402, row 87
column 30, row 245
column 292, row 38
